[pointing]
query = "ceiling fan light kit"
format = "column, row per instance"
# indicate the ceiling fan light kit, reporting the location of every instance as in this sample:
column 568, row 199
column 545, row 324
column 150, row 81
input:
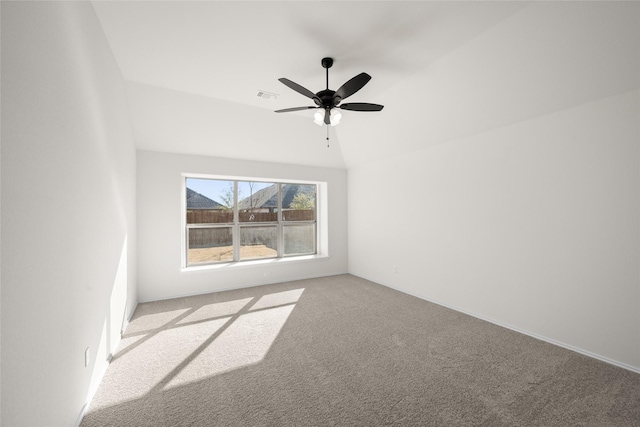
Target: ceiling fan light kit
column 318, row 117
column 328, row 99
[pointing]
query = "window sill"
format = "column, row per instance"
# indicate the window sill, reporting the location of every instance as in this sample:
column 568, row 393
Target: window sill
column 253, row 263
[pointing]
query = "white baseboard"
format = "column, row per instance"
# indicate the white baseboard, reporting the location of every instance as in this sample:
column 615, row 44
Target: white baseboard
column 81, row 416
column 242, row 286
column 521, row 331
column 94, row 389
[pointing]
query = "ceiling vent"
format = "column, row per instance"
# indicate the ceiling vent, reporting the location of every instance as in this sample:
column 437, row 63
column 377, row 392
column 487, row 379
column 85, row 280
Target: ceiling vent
column 267, row 95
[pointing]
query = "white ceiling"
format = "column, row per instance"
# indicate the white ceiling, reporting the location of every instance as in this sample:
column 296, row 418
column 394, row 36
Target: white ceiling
column 443, row 70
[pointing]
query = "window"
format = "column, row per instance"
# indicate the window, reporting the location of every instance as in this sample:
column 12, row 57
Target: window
column 229, row 220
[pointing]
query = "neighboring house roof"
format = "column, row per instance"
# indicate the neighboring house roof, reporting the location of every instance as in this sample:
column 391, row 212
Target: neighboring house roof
column 289, row 191
column 268, row 197
column 196, row 200
column 265, row 198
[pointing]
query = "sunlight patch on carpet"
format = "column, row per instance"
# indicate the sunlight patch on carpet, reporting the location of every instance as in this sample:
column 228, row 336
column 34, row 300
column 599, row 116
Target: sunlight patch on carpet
column 218, row 309
column 278, row 298
column 153, row 321
column 245, row 342
column 163, row 352
column 166, row 349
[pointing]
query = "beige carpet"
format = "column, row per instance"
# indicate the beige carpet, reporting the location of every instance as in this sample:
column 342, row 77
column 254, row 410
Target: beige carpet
column 343, row 351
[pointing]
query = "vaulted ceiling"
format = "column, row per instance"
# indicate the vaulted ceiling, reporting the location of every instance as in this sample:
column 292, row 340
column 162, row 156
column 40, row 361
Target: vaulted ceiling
column 443, row 70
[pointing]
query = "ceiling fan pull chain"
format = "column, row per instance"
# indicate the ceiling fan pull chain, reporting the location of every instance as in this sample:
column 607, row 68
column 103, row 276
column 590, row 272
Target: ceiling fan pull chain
column 327, row 136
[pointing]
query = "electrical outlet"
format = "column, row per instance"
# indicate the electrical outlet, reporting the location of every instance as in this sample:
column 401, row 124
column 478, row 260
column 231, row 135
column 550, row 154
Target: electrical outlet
column 87, row 356
column 267, row 273
column 395, row 268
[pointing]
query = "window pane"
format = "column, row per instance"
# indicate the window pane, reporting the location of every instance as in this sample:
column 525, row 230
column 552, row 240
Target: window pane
column 208, row 245
column 209, row 201
column 257, row 201
column 258, row 242
column 300, row 239
column 229, row 220
column 298, row 202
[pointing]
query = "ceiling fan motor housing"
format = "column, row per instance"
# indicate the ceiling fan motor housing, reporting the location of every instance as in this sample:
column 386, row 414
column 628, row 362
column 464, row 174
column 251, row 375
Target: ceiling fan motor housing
column 328, row 101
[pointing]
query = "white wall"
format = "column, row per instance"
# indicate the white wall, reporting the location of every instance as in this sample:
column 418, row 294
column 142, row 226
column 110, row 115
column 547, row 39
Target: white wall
column 533, row 225
column 159, row 226
column 68, row 210
column 517, row 199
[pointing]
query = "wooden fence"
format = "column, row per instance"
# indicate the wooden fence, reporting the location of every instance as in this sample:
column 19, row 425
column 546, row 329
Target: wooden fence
column 201, row 216
column 297, row 238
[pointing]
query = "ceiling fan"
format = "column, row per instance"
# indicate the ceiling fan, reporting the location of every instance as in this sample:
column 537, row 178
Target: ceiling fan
column 328, row 99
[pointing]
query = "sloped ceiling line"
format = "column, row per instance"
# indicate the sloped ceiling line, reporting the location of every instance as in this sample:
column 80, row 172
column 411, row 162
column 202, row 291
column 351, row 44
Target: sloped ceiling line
column 442, row 69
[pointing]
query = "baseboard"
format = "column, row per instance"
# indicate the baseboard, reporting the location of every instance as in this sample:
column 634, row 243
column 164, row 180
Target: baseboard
column 126, row 320
column 242, row 286
column 83, row 411
column 521, row 331
column 93, row 390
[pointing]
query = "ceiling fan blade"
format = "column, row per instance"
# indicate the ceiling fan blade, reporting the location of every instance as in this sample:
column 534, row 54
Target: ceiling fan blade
column 301, row 90
column 327, row 117
column 352, row 86
column 286, row 110
column 361, row 106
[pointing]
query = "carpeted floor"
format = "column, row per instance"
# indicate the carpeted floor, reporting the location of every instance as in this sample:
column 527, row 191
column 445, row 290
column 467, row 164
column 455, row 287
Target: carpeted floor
column 343, row 351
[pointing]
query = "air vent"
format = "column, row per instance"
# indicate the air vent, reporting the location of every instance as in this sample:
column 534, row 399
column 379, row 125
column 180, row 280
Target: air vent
column 267, row 95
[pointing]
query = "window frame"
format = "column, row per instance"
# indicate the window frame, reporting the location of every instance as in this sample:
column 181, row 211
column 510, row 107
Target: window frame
column 319, row 233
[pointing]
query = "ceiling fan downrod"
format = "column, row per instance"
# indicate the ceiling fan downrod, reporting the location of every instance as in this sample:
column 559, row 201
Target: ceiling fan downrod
column 326, row 64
